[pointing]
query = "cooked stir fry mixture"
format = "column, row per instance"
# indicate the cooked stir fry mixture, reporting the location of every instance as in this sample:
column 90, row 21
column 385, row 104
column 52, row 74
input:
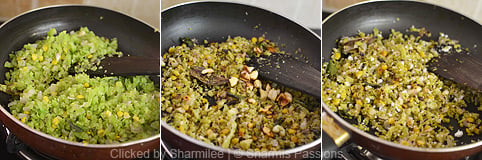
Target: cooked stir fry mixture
column 383, row 84
column 77, row 107
column 210, row 94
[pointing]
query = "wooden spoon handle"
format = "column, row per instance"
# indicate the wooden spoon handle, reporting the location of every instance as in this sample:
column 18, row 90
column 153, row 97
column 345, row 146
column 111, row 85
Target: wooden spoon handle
column 128, row 66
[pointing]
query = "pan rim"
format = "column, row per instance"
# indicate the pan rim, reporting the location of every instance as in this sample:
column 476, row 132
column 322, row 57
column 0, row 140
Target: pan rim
column 76, row 5
column 78, row 144
column 59, row 140
column 351, row 128
column 234, row 151
column 238, row 3
column 396, row 1
column 241, row 152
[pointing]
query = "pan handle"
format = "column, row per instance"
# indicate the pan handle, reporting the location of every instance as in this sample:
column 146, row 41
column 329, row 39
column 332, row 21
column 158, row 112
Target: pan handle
column 166, row 149
column 15, row 146
column 337, row 134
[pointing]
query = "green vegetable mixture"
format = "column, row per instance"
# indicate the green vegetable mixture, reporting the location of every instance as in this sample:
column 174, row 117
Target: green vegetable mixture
column 383, row 84
column 210, row 94
column 76, row 107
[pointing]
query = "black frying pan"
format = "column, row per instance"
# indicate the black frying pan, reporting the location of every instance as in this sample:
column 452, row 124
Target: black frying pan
column 215, row 21
column 401, row 15
column 134, row 37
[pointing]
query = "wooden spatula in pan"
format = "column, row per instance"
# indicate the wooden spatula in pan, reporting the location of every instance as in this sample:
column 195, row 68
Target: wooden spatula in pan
column 287, row 70
column 462, row 67
column 126, row 66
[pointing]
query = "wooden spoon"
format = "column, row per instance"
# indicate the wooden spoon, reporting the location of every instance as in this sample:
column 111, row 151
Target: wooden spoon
column 127, row 66
column 290, row 72
column 462, row 67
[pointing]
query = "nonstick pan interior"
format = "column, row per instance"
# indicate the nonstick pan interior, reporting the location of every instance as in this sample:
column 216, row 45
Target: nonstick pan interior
column 215, row 21
column 134, row 37
column 401, row 15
